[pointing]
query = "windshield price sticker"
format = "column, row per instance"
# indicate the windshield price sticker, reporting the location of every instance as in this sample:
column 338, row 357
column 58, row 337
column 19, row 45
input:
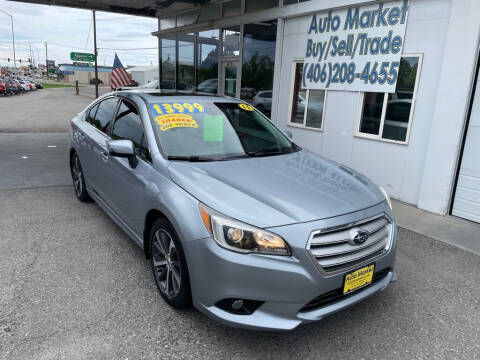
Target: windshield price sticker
column 246, row 107
column 176, row 108
column 355, row 49
column 170, row 121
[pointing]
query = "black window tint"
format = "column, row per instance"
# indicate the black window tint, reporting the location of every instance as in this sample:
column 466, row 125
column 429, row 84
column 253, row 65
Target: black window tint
column 104, row 114
column 91, row 114
column 128, row 125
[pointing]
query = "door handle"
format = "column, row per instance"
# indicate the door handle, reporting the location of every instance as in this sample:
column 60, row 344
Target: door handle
column 104, row 155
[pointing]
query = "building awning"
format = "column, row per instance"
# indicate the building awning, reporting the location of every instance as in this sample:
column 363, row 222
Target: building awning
column 149, row 8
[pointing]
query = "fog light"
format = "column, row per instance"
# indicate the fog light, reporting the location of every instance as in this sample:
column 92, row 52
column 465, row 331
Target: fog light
column 237, row 304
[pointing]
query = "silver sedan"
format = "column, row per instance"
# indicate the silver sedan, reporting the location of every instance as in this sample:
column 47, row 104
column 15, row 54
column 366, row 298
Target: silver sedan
column 236, row 219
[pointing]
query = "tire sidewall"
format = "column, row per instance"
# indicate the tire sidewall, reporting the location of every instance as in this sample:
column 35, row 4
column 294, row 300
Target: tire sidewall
column 183, row 298
column 84, row 197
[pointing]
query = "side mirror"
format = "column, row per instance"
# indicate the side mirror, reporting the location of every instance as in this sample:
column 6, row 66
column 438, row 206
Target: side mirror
column 124, row 149
column 289, row 134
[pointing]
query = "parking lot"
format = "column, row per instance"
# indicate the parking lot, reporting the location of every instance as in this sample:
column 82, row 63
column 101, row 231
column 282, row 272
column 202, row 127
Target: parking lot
column 73, row 286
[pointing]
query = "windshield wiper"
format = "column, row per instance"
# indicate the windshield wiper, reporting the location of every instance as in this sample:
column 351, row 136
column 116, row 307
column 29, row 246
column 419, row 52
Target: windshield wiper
column 191, row 158
column 268, row 152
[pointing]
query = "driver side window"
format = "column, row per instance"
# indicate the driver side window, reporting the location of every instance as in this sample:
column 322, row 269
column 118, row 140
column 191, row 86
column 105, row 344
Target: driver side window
column 128, row 126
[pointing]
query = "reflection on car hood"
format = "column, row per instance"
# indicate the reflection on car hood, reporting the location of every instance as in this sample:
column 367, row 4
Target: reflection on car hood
column 277, row 190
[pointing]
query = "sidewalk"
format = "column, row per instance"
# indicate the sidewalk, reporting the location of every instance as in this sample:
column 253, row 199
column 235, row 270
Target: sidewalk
column 450, row 229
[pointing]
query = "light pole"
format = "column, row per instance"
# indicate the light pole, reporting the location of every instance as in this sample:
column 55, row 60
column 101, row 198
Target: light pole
column 95, row 52
column 13, row 40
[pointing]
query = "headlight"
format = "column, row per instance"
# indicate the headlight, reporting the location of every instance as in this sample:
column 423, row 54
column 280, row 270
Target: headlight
column 237, row 236
column 386, row 197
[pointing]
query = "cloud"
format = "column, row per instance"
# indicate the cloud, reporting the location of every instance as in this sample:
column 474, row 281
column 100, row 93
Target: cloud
column 66, row 30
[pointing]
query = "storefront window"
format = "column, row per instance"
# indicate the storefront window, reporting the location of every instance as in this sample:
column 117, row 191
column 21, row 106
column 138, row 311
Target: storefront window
column 315, row 101
column 388, row 116
column 371, row 113
column 167, row 67
column 207, row 72
column 186, row 67
column 230, row 82
column 259, row 41
column 299, row 97
column 231, row 41
column 307, row 106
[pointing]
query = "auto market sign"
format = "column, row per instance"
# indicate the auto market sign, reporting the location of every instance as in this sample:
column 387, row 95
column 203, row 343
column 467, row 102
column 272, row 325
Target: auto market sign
column 76, row 56
column 355, row 49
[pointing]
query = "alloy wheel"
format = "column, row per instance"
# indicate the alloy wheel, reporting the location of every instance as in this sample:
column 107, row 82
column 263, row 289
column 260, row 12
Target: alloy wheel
column 166, row 263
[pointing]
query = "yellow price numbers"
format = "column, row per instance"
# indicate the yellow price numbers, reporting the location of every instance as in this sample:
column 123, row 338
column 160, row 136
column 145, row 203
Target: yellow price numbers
column 177, row 108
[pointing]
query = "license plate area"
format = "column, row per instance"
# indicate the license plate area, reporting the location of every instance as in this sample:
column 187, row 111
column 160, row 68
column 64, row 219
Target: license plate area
column 358, row 279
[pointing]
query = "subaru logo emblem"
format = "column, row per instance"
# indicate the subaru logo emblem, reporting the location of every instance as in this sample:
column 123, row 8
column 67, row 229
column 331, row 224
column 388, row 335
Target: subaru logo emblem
column 358, row 237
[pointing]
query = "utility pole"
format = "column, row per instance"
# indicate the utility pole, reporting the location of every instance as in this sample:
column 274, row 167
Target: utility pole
column 46, row 53
column 13, row 40
column 32, row 60
column 95, row 52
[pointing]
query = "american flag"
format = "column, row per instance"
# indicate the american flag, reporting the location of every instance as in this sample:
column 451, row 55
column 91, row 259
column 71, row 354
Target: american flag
column 120, row 77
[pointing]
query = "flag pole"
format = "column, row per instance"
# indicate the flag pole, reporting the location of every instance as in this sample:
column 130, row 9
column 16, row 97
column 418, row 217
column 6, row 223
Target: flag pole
column 95, row 52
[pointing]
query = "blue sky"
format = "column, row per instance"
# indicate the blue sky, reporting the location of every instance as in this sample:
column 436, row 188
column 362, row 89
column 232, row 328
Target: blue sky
column 67, row 30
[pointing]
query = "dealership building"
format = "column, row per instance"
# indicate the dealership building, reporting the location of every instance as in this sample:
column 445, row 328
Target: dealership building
column 411, row 125
column 83, row 73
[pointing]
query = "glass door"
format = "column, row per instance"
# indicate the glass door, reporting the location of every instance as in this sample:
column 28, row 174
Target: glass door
column 229, row 78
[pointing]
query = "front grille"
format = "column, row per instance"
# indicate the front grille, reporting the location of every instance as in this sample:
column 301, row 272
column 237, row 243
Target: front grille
column 333, row 252
column 337, row 294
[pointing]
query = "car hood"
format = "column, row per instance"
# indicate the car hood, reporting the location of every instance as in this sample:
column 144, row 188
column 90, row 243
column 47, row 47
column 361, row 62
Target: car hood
column 277, row 190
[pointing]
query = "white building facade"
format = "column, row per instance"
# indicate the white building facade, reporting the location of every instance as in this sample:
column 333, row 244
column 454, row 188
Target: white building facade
column 421, row 142
column 143, row 74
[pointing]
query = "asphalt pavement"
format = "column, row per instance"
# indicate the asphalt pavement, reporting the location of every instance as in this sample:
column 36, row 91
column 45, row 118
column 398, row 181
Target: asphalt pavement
column 74, row 286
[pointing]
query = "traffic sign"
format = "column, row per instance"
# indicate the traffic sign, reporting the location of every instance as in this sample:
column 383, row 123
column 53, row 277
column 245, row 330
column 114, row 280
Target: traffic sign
column 50, row 66
column 76, row 56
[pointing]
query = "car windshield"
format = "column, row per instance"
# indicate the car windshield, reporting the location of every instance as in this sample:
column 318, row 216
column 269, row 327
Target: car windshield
column 206, row 131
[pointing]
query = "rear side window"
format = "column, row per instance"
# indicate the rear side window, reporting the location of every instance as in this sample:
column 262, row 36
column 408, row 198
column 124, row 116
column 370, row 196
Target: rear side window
column 128, row 126
column 104, row 114
column 91, row 114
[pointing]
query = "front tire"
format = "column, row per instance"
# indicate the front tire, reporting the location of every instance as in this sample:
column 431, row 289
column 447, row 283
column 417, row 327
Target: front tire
column 169, row 266
column 78, row 179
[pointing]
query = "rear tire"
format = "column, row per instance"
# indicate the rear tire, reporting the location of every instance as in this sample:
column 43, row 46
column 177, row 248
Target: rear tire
column 169, row 266
column 78, row 179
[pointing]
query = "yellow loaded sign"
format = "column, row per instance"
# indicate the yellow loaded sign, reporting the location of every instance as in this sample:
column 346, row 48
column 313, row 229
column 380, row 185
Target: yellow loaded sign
column 171, row 121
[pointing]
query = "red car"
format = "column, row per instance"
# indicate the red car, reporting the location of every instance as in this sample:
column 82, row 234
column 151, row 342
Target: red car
column 3, row 88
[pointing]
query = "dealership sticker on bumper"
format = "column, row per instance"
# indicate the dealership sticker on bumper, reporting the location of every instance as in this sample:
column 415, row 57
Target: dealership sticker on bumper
column 358, row 279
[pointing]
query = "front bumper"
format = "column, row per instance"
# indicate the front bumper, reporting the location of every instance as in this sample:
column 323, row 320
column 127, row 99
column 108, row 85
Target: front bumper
column 284, row 284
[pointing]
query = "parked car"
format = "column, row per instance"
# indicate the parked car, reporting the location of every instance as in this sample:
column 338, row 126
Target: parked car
column 236, row 219
column 263, row 101
column 31, row 85
column 25, row 86
column 38, row 85
column 18, row 86
column 3, row 88
column 150, row 85
column 92, row 81
column 209, row 86
column 10, row 87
